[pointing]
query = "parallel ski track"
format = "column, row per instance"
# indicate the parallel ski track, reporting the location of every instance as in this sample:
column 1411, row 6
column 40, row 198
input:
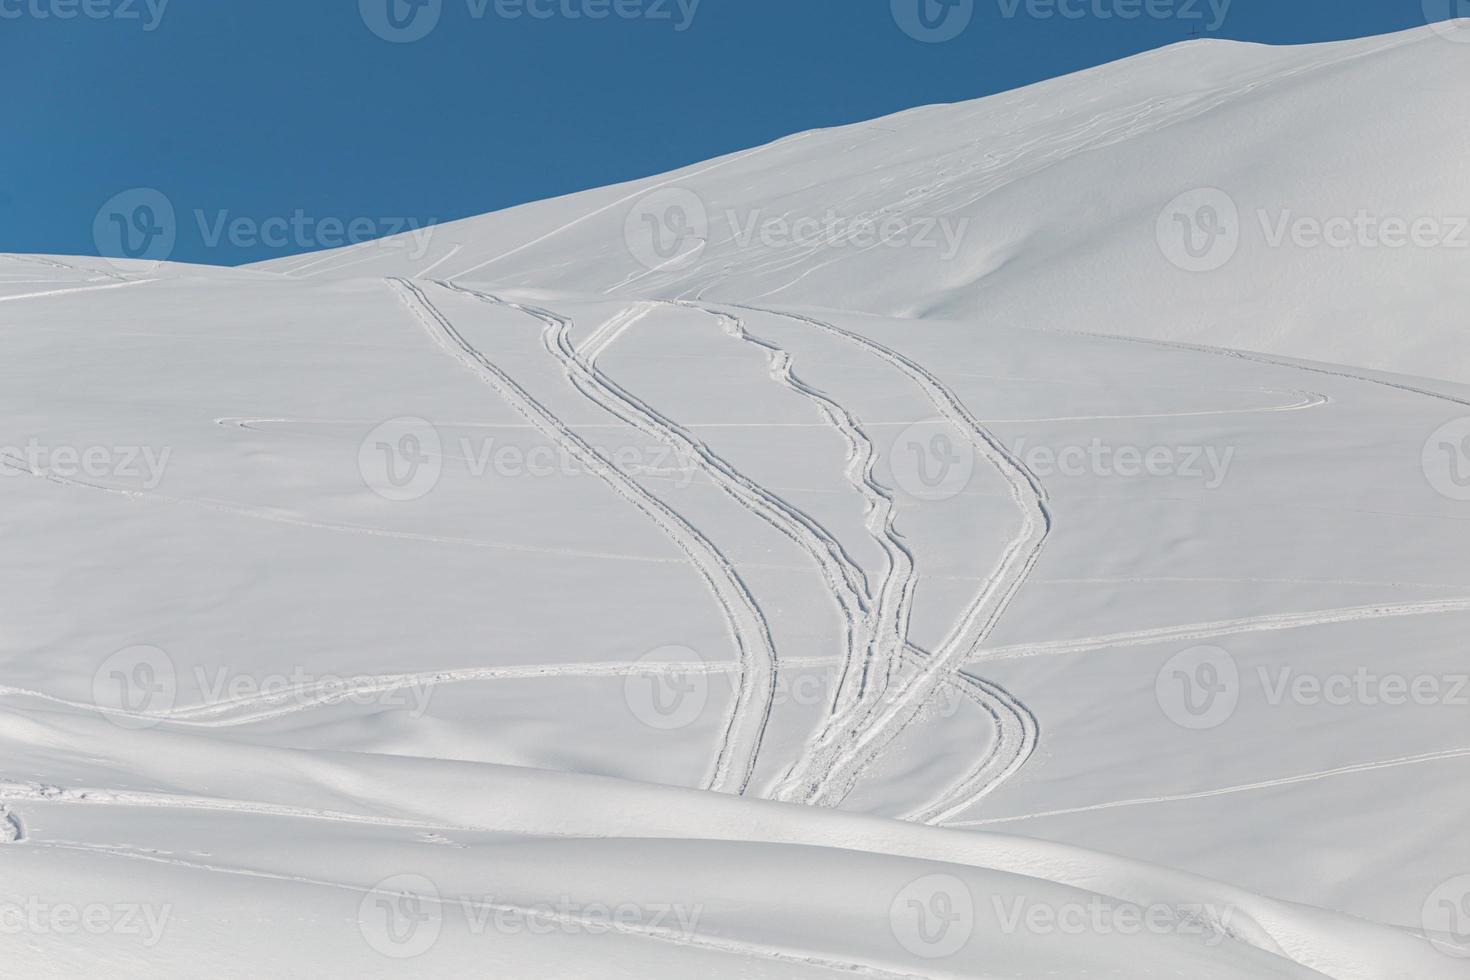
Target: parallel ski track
column 856, row 737
column 750, row 709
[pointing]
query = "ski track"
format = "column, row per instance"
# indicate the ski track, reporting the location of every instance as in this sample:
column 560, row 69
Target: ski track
column 52, row 263
column 828, row 775
column 1412, row 760
column 77, row 289
column 750, row 709
column 1224, row 627
column 886, row 631
column 789, row 956
column 1286, row 362
column 291, row 699
column 844, row 579
column 1018, row 735
column 42, row 793
column 642, row 191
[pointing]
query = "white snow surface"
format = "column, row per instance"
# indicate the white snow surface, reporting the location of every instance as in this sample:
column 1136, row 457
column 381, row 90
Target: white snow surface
column 517, row 609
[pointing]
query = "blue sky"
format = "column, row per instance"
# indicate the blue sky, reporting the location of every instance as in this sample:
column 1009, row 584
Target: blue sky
column 310, row 111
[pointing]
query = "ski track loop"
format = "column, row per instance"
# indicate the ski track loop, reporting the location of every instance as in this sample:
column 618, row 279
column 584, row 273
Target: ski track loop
column 750, row 709
column 857, row 737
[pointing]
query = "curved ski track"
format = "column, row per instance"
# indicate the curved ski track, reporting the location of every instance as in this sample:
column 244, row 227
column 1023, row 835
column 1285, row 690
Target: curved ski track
column 751, row 707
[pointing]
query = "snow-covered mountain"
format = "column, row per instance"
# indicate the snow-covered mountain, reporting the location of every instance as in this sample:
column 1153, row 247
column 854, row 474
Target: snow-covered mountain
column 645, row 584
column 1322, row 189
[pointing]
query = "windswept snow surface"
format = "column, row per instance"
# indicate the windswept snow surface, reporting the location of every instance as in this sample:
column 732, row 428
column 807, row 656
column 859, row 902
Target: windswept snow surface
column 824, row 612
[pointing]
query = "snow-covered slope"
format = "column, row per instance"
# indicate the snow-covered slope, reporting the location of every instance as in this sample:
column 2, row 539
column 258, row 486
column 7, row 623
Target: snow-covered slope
column 351, row 623
column 1322, row 187
column 550, row 607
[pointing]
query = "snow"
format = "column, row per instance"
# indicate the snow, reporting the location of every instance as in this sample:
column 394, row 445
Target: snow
column 777, row 611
